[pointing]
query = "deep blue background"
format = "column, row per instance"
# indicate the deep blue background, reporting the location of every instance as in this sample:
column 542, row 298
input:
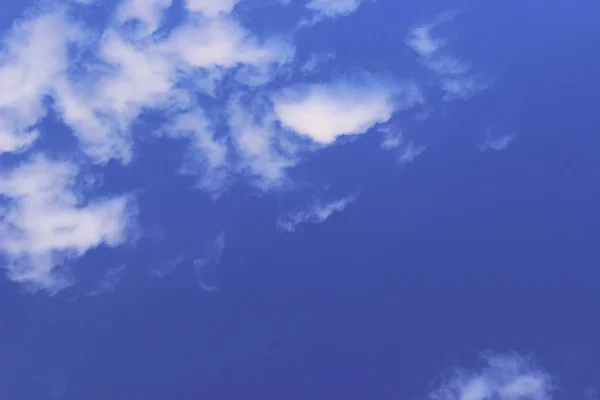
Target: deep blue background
column 460, row 252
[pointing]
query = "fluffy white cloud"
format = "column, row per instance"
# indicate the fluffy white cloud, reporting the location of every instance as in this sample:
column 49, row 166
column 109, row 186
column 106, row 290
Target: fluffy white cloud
column 32, row 56
column 503, row 377
column 316, row 213
column 223, row 42
column 102, row 106
column 323, row 112
column 101, row 97
column 45, row 222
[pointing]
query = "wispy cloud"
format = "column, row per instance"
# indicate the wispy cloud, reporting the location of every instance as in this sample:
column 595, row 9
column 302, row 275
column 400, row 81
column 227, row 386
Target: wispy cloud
column 410, row 152
column 265, row 153
column 109, row 281
column 316, row 213
column 393, row 140
column 162, row 269
column 503, row 377
column 315, row 61
column 455, row 74
column 323, row 9
column 46, row 222
column 206, row 264
column 496, row 142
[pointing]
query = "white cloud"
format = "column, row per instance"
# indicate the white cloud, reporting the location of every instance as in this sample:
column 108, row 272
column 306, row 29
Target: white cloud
column 223, row 42
column 101, row 97
column 502, row 377
column 102, row 107
column 496, row 143
column 46, row 222
column 205, row 266
column 32, row 56
column 102, row 85
column 323, row 112
column 316, row 212
column 264, row 152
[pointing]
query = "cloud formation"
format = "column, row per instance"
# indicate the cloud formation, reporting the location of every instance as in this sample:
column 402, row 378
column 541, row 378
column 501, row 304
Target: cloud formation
column 208, row 81
column 45, row 222
column 316, row 213
column 322, row 112
column 33, row 55
column 502, row 377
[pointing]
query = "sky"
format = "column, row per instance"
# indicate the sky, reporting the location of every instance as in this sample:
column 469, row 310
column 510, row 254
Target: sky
column 299, row 199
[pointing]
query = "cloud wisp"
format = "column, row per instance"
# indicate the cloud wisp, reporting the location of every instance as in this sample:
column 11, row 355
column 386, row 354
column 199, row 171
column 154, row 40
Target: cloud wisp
column 206, row 265
column 324, row 9
column 393, row 140
column 109, row 281
column 496, row 142
column 455, row 75
column 316, row 212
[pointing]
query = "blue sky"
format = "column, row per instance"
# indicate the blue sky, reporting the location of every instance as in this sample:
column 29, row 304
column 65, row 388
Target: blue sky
column 271, row 199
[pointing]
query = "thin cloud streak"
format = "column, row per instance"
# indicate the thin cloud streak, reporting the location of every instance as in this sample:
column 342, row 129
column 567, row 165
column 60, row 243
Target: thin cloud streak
column 315, row 213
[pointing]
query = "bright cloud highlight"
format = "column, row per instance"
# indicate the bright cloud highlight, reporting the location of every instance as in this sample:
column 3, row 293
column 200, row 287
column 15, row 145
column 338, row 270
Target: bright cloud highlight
column 323, row 112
